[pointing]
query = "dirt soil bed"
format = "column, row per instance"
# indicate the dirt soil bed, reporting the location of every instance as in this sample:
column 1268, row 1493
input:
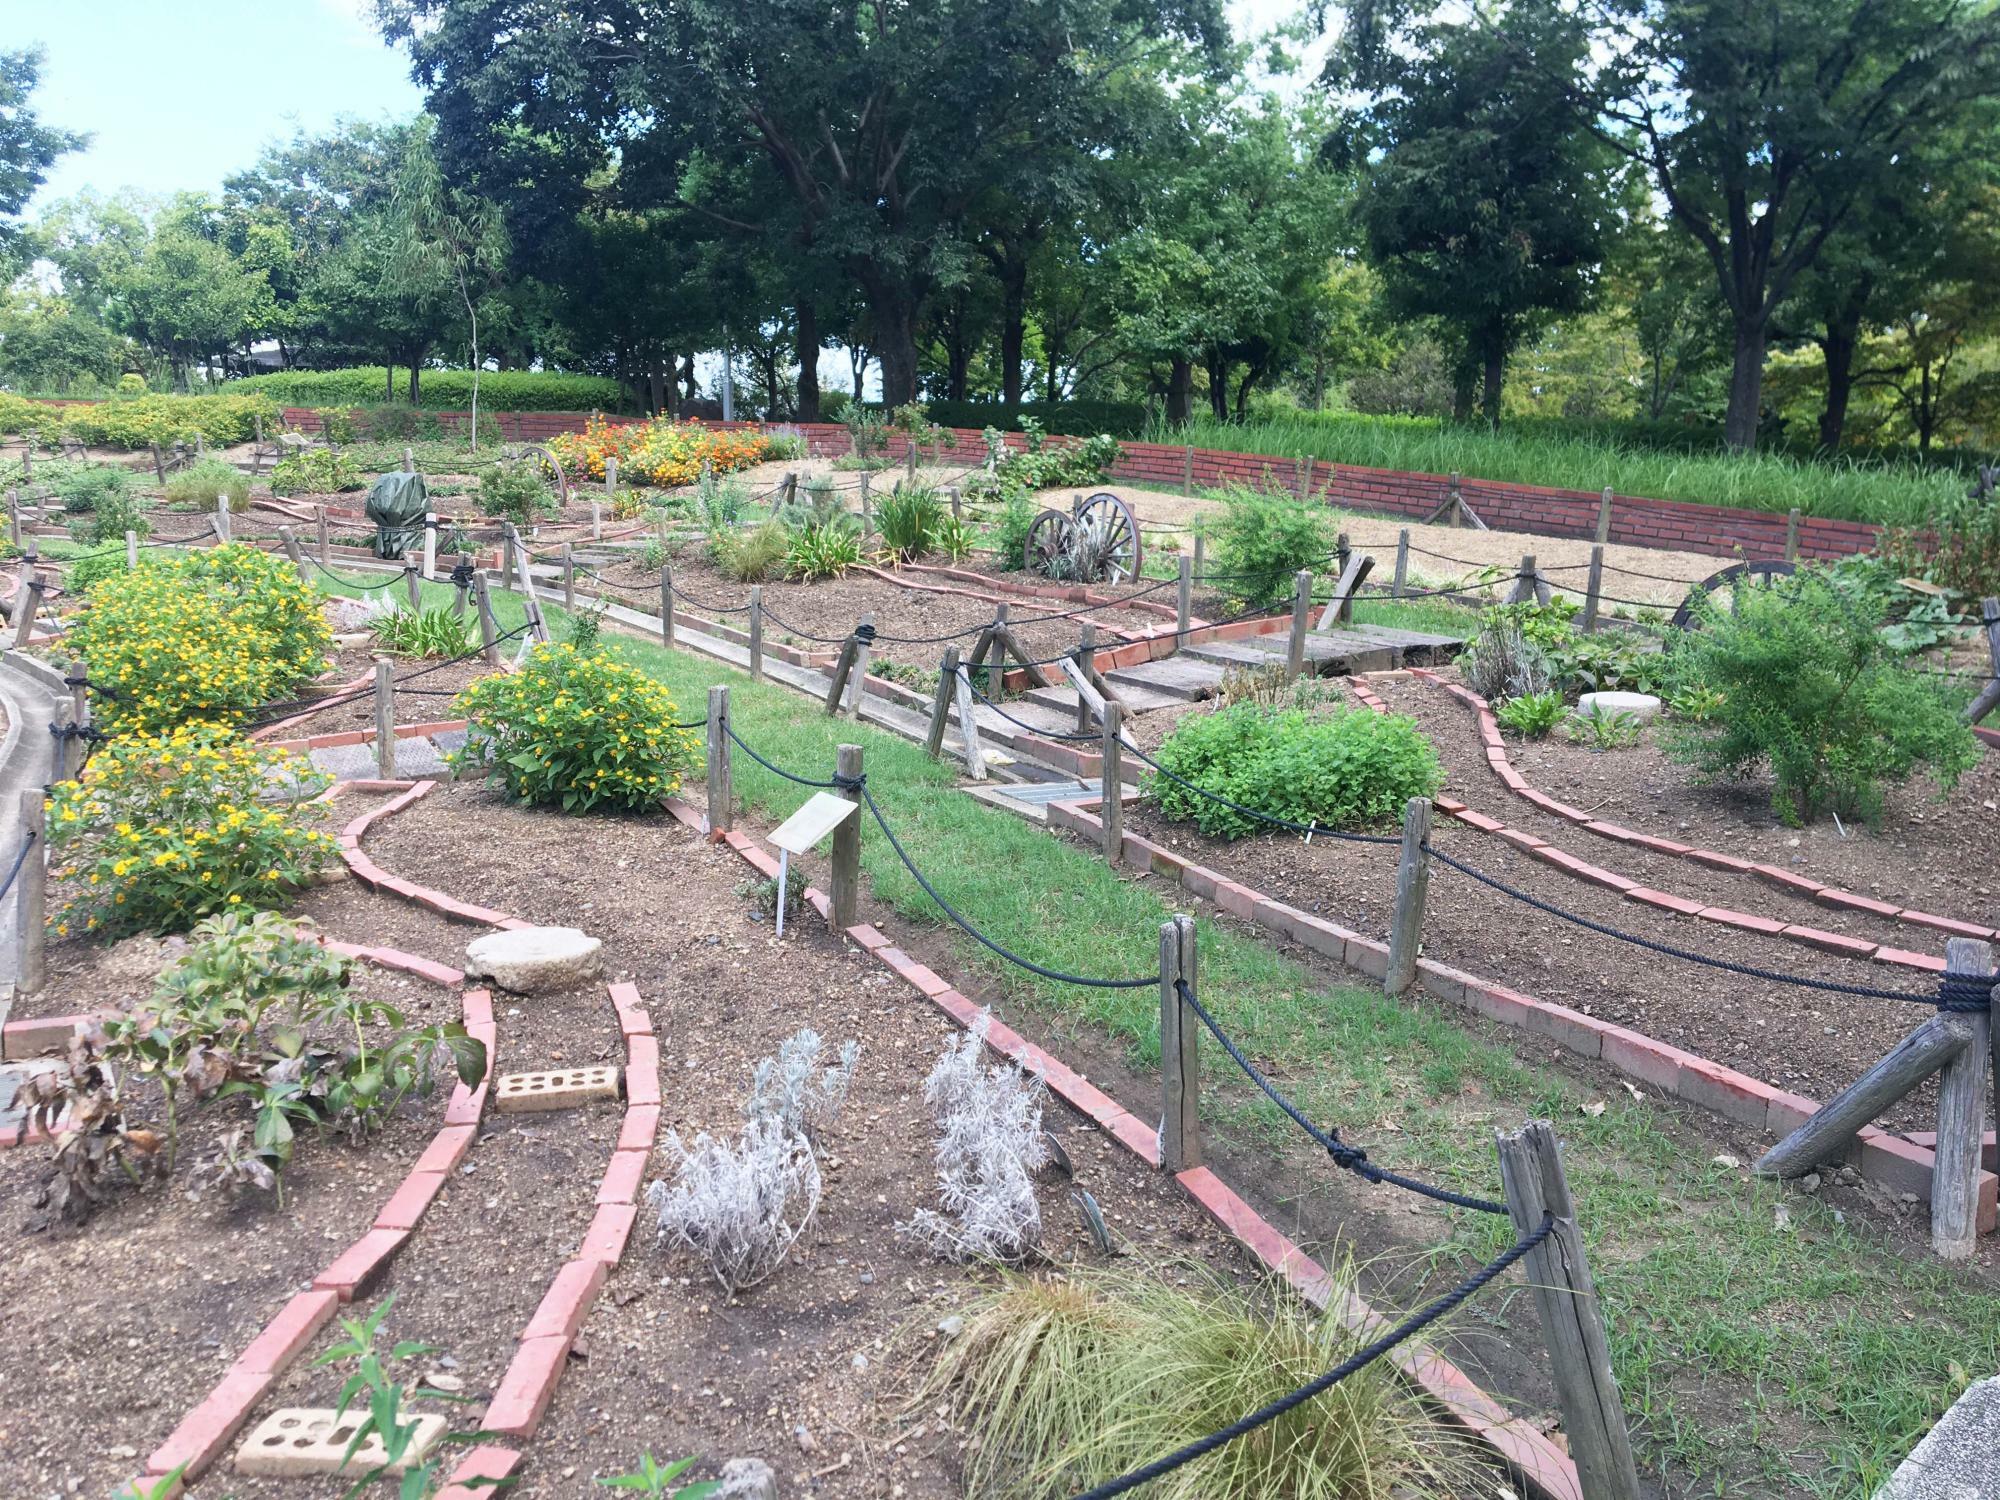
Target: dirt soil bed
column 1812, row 1044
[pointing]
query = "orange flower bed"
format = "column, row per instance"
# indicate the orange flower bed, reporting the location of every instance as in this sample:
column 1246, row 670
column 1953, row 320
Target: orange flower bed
column 662, row 452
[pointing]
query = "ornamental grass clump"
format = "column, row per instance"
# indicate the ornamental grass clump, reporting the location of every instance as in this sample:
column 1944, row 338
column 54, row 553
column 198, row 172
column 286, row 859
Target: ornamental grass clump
column 1343, row 768
column 165, row 829
column 578, row 729
column 209, row 636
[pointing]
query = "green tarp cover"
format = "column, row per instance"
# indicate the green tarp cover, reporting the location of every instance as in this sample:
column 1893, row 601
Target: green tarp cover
column 396, row 504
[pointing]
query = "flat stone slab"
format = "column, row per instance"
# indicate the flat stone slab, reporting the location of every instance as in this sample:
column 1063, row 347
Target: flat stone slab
column 297, row 1442
column 1642, row 706
column 1173, row 676
column 535, row 960
column 564, row 1088
column 1959, row 1459
column 348, row 762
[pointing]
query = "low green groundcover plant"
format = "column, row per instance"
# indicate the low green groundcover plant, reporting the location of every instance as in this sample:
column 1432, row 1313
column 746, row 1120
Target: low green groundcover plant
column 1341, row 769
column 1804, row 685
column 577, row 729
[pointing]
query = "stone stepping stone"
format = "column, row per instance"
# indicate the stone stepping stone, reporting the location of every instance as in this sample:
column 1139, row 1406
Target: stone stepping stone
column 1955, row 1459
column 565, row 1088
column 417, row 758
column 348, row 762
column 535, row 960
column 1137, row 699
column 1174, row 677
column 297, row 1442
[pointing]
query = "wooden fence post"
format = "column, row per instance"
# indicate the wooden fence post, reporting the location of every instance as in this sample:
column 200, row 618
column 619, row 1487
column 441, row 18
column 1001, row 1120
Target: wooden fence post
column 1183, row 596
column 28, row 600
column 460, row 589
column 413, row 586
column 1961, row 1115
column 611, row 476
column 289, row 541
column 1604, row 517
column 857, row 679
column 31, row 896
column 222, row 521
column 1187, row 470
column 666, row 606
column 721, row 800
column 844, row 877
column 159, row 464
column 385, row 718
column 14, row 517
column 79, row 699
column 1180, row 1050
column 325, row 541
column 1594, row 589
column 1413, row 882
column 1295, row 647
column 597, row 520
column 957, row 504
column 757, row 632
column 132, row 551
column 489, row 628
column 1200, row 548
column 968, row 726
column 69, row 759
column 409, row 459
column 569, row 576
column 430, row 544
column 1593, row 1412
column 867, row 509
column 1825, row 1135
column 910, row 455
column 1792, row 535
column 941, row 703
column 1111, row 786
column 1396, row 584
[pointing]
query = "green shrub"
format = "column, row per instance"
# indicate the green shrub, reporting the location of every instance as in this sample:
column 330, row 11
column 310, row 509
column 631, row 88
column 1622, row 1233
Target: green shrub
column 908, row 520
column 1343, row 769
column 1533, row 716
column 198, row 486
column 316, row 471
column 169, row 829
column 1010, row 531
column 445, row 390
column 144, row 420
column 1958, row 547
column 85, row 573
column 516, row 491
column 579, row 730
column 820, row 551
column 750, row 556
column 1061, row 418
column 113, row 512
column 83, row 487
column 1262, row 541
column 955, row 539
column 1812, row 693
column 431, row 632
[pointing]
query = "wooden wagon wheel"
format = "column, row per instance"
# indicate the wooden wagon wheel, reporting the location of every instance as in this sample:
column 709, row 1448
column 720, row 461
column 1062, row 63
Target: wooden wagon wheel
column 532, row 450
column 1745, row 575
column 1048, row 541
column 1115, row 518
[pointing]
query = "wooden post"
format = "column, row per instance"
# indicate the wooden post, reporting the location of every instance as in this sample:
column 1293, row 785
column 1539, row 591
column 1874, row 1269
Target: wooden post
column 69, row 759
column 489, row 628
column 721, row 801
column 857, row 678
column 611, row 476
column 409, row 459
column 1792, row 535
column 1180, row 1050
column 430, row 544
column 385, row 718
column 757, row 632
column 1086, row 660
column 1604, row 516
column 957, row 505
column 132, row 551
column 1354, row 572
column 968, row 727
column 31, row 896
column 941, row 703
column 597, row 520
column 1306, row 490
column 1111, row 786
column 1200, row 547
column 29, row 601
column 200, row 444
column 530, row 603
column 1187, row 470
column 1413, row 883
column 291, row 545
column 1825, row 1136
column 159, row 464
column 222, row 522
column 666, row 606
column 79, row 699
column 14, row 517
column 844, row 875
column 1184, row 597
column 911, row 467
column 325, row 542
column 1593, row 1411
column 461, row 590
column 1457, row 502
column 1961, row 1115
column 1397, row 584
column 1295, row 647
column 996, row 663
column 1342, row 550
column 867, row 508
column 28, row 460
column 1594, row 589
column 569, row 576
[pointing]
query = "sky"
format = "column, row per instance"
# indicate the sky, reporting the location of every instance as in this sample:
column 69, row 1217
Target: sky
column 180, row 93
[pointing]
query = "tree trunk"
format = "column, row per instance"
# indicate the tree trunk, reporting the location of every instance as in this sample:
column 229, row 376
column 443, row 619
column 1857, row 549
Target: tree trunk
column 1013, row 323
column 415, row 365
column 1243, row 392
column 1746, row 386
column 1462, row 379
column 1494, row 371
column 1218, row 387
column 896, row 347
column 388, row 379
column 1837, row 348
column 1180, row 392
column 807, row 329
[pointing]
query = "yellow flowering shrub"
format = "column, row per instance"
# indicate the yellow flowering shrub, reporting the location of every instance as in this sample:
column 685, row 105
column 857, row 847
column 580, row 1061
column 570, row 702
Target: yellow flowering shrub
column 663, row 453
column 165, row 829
column 578, row 729
column 206, row 635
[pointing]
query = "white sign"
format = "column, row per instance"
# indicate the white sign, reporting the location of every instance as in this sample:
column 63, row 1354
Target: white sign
column 822, row 813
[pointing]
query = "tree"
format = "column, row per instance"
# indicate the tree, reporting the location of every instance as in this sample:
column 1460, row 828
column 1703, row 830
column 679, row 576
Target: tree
column 49, row 344
column 187, row 298
column 1486, row 204
column 28, row 148
column 879, row 125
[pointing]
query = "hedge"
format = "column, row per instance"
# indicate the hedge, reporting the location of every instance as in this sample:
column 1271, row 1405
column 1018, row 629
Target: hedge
column 442, row 390
column 1070, row 418
column 137, row 421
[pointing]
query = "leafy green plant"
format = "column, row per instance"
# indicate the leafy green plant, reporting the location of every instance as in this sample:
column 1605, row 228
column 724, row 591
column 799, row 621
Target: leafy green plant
column 654, row 555
column 908, row 520
column 85, row 573
column 113, row 512
column 1533, row 716
column 1262, row 541
column 516, row 491
column 388, row 1409
column 719, row 504
column 432, row 632
column 1956, row 545
column 867, row 436
column 316, row 471
column 585, row 630
column 198, row 486
column 1010, row 530
column 954, row 539
column 1694, row 701
column 655, row 1479
column 83, row 487
column 1603, row 728
column 750, row 556
column 1929, row 621
column 1811, row 692
column 815, row 552
column 577, row 730
column 1347, row 768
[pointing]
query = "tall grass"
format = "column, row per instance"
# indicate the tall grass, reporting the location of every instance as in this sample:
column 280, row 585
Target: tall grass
column 1881, row 493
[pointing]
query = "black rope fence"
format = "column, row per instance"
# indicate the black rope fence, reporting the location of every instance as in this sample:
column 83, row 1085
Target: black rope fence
column 20, row 861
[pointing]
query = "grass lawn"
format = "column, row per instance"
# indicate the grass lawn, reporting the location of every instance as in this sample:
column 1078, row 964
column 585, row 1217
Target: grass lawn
column 1761, row 1354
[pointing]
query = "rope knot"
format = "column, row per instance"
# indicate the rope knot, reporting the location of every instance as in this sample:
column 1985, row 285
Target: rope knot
column 1970, row 993
column 850, row 783
column 1351, row 1158
column 864, row 635
column 462, row 575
